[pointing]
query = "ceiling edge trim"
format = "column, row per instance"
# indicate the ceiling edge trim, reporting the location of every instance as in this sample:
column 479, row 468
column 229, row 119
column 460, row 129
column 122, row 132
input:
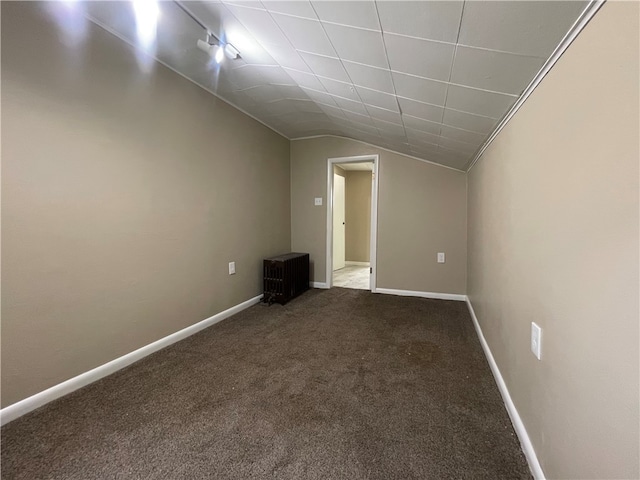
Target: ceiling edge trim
column 135, row 47
column 311, row 137
column 582, row 21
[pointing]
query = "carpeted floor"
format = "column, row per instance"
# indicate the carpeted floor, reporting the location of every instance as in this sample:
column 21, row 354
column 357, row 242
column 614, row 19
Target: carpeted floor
column 338, row 384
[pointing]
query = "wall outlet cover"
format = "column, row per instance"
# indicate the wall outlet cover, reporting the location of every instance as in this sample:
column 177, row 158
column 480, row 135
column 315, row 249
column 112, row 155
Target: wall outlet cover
column 318, row 201
column 440, row 257
column 536, row 340
column 232, row 268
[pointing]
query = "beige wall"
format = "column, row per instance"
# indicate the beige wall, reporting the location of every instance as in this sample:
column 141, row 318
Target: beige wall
column 421, row 211
column 358, row 216
column 124, row 197
column 553, row 238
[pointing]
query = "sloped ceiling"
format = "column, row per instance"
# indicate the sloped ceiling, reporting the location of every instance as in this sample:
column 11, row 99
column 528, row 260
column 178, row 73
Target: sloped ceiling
column 424, row 78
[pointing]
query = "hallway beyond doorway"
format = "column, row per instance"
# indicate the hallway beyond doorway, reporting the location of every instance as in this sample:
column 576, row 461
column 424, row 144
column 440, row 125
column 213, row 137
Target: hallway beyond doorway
column 352, row 276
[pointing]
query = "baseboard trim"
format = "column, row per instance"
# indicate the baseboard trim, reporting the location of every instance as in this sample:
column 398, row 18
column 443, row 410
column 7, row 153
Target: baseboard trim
column 521, row 431
column 411, row 293
column 358, row 264
column 38, row 400
column 318, row 285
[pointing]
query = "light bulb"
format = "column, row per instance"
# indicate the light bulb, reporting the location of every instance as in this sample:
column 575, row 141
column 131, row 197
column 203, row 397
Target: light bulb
column 219, row 56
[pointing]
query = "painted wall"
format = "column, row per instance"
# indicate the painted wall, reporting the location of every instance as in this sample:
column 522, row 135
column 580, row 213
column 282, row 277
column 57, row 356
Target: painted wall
column 124, row 196
column 421, row 211
column 358, row 215
column 553, row 238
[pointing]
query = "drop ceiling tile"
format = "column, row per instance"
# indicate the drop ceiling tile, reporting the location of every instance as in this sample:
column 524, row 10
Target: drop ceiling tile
column 320, row 97
column 387, row 128
column 462, row 147
column 421, row 125
column 462, row 135
column 378, row 99
column 298, row 8
column 430, row 20
column 359, row 119
column 262, row 93
column 420, row 89
column 305, row 80
column 360, row 13
column 454, row 156
column 339, row 89
column 291, row 92
column 384, row 114
column 351, row 105
column 427, row 155
column 296, row 118
column 369, row 77
column 361, row 127
column 332, row 111
column 325, row 66
column 421, row 138
column 275, row 75
column 255, row 57
column 245, row 77
column 468, row 121
column 393, row 138
column 241, row 3
column 287, row 56
column 356, row 45
column 341, row 122
column 424, row 58
column 421, row 110
column 304, row 34
column 527, row 28
column 241, row 101
column 496, row 71
column 260, row 24
column 424, row 149
column 479, row 102
column 399, row 145
column 280, row 107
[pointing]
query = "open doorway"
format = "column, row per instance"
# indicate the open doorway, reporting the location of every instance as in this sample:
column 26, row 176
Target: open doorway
column 351, row 222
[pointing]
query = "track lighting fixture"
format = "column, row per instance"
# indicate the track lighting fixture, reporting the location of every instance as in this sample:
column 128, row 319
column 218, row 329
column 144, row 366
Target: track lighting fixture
column 216, row 49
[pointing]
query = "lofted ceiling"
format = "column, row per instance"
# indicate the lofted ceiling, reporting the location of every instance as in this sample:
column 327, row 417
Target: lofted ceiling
column 428, row 79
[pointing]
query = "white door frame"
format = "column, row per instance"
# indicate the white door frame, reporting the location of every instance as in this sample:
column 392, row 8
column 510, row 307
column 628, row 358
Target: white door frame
column 374, row 215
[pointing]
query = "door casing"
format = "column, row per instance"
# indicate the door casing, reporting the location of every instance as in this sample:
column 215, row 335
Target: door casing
column 374, row 215
column 339, row 239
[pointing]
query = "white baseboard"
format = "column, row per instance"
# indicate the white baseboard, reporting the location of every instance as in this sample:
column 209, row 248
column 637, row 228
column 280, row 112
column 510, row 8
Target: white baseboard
column 318, row 285
column 22, row 407
column 521, row 431
column 411, row 293
column 358, row 264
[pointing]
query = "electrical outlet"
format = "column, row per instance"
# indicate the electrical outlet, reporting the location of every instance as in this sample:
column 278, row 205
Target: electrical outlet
column 232, row 268
column 536, row 340
column 440, row 257
column 318, row 201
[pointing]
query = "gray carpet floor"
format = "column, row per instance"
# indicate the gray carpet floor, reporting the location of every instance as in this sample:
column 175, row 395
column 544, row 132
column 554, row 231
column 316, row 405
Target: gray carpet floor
column 337, row 384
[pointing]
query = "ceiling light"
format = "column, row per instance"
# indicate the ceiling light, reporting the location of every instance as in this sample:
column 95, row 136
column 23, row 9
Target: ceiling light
column 213, row 46
column 231, row 52
column 147, row 13
column 216, row 49
column 219, row 55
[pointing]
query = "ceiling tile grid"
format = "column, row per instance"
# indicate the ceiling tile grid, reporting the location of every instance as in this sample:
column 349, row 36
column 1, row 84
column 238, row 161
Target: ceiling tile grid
column 430, row 79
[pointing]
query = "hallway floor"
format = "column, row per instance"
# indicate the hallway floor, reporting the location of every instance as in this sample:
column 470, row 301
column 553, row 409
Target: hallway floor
column 352, row 276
